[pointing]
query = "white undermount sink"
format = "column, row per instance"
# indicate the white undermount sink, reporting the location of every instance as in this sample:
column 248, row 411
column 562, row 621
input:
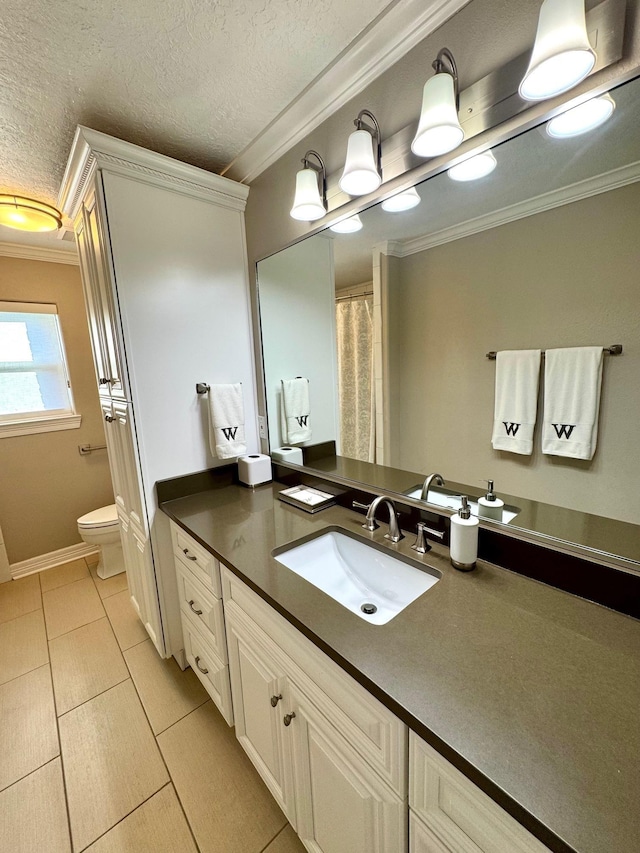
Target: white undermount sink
column 364, row 577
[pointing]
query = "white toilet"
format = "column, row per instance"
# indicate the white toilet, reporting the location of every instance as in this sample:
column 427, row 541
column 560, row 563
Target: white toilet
column 101, row 528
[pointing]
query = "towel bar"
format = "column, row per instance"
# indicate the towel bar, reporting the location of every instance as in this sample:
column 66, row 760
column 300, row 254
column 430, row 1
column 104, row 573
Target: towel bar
column 202, row 388
column 614, row 349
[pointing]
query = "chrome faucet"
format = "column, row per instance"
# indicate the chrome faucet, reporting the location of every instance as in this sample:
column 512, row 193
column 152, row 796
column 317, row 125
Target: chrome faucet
column 424, row 494
column 394, row 534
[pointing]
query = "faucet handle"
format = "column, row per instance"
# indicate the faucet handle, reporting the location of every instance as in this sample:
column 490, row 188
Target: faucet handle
column 422, row 546
column 370, row 524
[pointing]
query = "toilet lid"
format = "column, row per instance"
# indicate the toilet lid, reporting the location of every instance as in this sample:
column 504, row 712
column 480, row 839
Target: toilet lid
column 103, row 517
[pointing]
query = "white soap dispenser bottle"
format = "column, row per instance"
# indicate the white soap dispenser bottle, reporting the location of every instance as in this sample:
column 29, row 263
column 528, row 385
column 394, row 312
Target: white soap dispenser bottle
column 463, row 546
column 490, row 506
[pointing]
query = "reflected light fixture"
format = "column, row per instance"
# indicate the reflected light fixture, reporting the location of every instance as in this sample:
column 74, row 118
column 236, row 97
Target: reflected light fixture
column 363, row 167
column 583, row 118
column 562, row 55
column 475, row 167
column 347, row 226
column 27, row 214
column 439, row 129
column 402, row 201
column 310, row 200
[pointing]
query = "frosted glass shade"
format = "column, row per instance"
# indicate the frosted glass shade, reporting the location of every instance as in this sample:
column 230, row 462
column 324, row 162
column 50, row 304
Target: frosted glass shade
column 473, row 168
column 360, row 175
column 347, row 226
column 402, row 201
column 439, row 130
column 307, row 203
column 27, row 214
column 583, row 118
column 562, row 55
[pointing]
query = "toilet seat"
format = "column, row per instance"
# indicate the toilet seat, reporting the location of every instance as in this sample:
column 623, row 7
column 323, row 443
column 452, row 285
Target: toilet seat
column 106, row 516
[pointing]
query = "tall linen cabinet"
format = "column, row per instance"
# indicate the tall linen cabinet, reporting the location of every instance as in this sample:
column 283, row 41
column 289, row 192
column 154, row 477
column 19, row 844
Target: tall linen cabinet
column 164, row 270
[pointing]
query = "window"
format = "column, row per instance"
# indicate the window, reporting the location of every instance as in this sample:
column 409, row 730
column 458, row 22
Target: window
column 35, row 393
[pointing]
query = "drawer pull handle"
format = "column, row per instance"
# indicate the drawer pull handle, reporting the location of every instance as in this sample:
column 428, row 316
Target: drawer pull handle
column 275, row 700
column 288, row 718
column 197, row 612
column 189, row 556
column 202, row 669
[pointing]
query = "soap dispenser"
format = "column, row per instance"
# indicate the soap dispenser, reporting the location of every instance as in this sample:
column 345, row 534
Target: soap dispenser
column 464, row 538
column 490, row 506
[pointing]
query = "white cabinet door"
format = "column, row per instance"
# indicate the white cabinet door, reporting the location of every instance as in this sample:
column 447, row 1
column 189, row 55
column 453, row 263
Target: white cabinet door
column 259, row 690
column 342, row 804
column 127, row 462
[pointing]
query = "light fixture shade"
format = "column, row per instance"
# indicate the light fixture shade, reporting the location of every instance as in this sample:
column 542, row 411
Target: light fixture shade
column 402, row 201
column 583, row 118
column 27, row 214
column 475, row 167
column 439, row 130
column 307, row 203
column 360, row 175
column 347, row 226
column 562, row 55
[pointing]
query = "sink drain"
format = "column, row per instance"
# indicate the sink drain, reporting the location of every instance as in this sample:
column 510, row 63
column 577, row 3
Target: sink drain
column 368, row 608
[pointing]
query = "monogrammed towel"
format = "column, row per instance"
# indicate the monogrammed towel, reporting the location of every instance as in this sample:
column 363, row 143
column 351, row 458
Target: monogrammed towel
column 572, row 381
column 226, row 421
column 516, row 401
column 296, row 414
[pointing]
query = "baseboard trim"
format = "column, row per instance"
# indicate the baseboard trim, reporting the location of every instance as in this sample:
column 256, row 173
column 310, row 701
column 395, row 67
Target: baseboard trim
column 52, row 559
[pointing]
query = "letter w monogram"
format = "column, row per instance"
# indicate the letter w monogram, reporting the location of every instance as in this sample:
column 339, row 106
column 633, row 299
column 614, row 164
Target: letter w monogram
column 512, row 429
column 229, row 432
column 564, row 430
column 302, row 420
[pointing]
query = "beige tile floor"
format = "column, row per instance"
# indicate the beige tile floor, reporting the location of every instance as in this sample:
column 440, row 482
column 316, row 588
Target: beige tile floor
column 104, row 746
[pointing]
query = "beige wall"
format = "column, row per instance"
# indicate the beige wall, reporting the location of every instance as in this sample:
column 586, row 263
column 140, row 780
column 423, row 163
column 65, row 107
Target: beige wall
column 566, row 277
column 45, row 483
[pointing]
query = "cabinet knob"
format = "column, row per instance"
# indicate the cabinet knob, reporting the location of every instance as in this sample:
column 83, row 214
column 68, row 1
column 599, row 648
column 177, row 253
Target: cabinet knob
column 109, row 419
column 288, row 718
column 202, row 669
column 114, row 380
column 275, row 700
column 103, row 381
column 197, row 612
column 189, row 556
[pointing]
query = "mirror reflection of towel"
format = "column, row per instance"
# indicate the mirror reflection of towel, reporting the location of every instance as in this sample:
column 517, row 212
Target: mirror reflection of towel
column 226, row 421
column 295, row 411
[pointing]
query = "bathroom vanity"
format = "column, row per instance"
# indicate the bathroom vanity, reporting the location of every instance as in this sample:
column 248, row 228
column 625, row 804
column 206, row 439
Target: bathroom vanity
column 494, row 713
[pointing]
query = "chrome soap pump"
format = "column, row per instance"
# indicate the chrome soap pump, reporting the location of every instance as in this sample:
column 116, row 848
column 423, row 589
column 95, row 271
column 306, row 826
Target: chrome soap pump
column 463, row 546
column 490, row 506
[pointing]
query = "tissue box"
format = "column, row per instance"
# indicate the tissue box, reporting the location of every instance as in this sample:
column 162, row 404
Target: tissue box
column 254, row 469
column 288, row 454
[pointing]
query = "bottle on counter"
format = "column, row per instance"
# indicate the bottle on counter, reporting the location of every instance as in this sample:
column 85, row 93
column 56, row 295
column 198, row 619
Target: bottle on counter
column 464, row 538
column 490, row 506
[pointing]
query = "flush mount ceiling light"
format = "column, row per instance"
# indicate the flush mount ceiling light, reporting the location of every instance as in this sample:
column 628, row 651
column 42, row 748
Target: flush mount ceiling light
column 475, row 167
column 562, row 55
column 27, row 214
column 439, row 129
column 310, row 200
column 363, row 167
column 583, row 118
column 402, row 201
column 347, row 226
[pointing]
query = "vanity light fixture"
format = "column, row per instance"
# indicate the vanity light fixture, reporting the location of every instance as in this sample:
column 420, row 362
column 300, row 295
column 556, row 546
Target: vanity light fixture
column 27, row 214
column 562, row 55
column 363, row 167
column 402, row 201
column 475, row 167
column 581, row 119
column 310, row 200
column 439, row 129
column 347, row 226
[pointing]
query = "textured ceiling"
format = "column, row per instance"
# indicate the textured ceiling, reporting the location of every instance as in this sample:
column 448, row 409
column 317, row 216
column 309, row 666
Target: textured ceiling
column 195, row 79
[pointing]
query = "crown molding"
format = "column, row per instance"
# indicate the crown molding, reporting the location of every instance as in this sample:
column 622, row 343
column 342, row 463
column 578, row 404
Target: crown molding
column 393, row 35
column 38, row 253
column 93, row 150
column 612, row 180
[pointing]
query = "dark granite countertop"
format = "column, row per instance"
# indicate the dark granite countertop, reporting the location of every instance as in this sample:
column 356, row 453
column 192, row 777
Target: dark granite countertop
column 532, row 692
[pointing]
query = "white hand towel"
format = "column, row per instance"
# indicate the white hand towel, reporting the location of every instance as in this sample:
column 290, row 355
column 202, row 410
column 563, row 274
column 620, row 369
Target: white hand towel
column 226, row 421
column 516, row 402
column 572, row 382
column 296, row 413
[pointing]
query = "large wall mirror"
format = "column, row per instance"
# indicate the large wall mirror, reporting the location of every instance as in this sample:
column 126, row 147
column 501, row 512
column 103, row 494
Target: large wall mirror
column 391, row 325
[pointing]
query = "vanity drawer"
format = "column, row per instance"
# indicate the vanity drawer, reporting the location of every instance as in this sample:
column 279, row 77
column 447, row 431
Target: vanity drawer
column 456, row 812
column 210, row 669
column 200, row 605
column 203, row 564
column 421, row 839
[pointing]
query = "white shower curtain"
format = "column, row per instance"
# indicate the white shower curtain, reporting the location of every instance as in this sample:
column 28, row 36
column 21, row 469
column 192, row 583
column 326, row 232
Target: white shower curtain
column 356, row 388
